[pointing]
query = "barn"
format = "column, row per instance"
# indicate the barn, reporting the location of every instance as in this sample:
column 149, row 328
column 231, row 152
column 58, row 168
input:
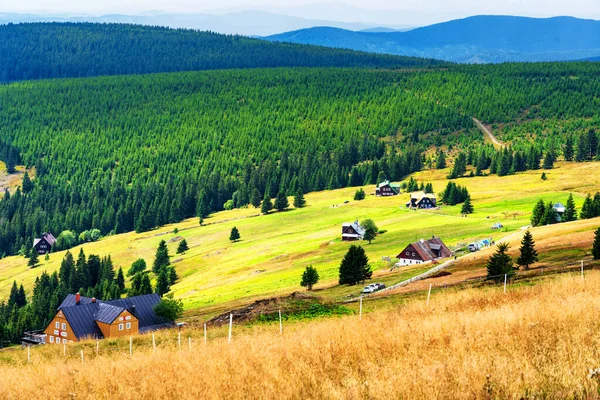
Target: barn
column 423, row 251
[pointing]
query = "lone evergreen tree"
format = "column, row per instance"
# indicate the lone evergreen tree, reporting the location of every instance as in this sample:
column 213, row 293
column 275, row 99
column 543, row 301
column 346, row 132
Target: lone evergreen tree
column 596, row 245
column 544, row 177
column 120, row 280
column 528, row 253
column 570, row 210
column 162, row 283
column 538, row 213
column 281, row 201
column 355, row 267
column 310, row 277
column 359, row 195
column 299, row 201
column 467, row 207
column 33, row 258
column 500, row 264
column 161, row 259
column 266, row 204
column 183, row 247
column 255, row 198
column 234, row 236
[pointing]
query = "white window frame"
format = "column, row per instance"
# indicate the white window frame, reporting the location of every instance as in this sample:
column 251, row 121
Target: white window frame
column 120, row 327
column 57, row 325
column 128, row 325
column 51, row 339
column 64, row 341
column 64, row 326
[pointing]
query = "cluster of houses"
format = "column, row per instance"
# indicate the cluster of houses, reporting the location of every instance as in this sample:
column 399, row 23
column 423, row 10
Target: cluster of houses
column 419, row 200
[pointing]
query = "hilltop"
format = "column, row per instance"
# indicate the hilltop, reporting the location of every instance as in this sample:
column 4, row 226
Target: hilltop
column 478, row 39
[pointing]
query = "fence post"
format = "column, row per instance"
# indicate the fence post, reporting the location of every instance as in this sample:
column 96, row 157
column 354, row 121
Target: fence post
column 204, row 332
column 230, row 325
column 64, row 350
column 429, row 294
column 280, row 324
column 360, row 309
column 130, row 345
column 505, row 279
column 97, row 347
column 82, row 356
column 29, row 354
column 179, row 340
column 153, row 343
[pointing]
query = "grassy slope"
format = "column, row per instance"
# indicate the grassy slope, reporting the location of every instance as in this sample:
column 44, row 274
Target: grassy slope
column 216, row 274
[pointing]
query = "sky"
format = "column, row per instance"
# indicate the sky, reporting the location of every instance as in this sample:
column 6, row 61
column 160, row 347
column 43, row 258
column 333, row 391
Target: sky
column 384, row 11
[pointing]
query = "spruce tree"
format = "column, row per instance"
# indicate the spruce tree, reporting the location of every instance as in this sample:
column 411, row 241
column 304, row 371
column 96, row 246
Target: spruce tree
column 255, row 198
column 528, row 253
column 500, row 264
column 310, row 277
column 549, row 160
column 182, row 247
column 27, row 185
column 120, row 280
column 266, row 204
column 146, row 285
column 587, row 210
column 33, row 259
column 582, row 151
column 441, row 160
column 299, row 200
column 467, row 207
column 568, row 151
column 162, row 283
column 281, row 201
column 359, row 195
column 354, row 267
column 161, row 258
column 538, row 213
column 550, row 215
column 570, row 210
column 234, row 236
column 596, row 245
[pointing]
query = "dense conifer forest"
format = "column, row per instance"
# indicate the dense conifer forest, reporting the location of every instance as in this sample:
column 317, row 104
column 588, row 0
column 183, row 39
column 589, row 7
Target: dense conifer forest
column 63, row 50
column 135, row 152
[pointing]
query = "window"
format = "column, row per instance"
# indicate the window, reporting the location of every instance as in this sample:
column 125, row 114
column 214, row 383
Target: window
column 120, row 327
column 51, row 339
column 408, row 253
column 64, row 326
column 413, row 254
column 64, row 341
column 128, row 325
column 57, row 325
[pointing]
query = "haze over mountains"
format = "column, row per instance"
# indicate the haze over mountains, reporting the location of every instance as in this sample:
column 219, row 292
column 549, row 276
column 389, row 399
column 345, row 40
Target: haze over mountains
column 479, row 39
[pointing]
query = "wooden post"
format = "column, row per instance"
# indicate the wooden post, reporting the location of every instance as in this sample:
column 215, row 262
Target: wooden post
column 205, row 333
column 97, row 347
column 29, row 354
column 82, row 356
column 153, row 343
column 230, row 325
column 360, row 309
column 130, row 345
column 429, row 294
column 179, row 340
column 280, row 324
column 64, row 350
column 505, row 279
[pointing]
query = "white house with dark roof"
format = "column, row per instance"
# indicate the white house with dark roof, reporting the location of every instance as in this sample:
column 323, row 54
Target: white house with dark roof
column 352, row 231
column 422, row 200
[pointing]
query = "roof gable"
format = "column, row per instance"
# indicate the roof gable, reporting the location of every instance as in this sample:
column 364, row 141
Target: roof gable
column 107, row 313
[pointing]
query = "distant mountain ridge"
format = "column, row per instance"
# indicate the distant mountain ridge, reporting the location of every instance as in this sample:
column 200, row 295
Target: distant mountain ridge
column 479, row 39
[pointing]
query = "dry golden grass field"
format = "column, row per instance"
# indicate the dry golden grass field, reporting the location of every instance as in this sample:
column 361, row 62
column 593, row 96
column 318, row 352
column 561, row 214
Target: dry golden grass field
column 533, row 342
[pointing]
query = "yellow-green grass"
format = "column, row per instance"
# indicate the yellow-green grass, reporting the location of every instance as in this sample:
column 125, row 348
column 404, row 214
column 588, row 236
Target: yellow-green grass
column 274, row 250
column 12, row 181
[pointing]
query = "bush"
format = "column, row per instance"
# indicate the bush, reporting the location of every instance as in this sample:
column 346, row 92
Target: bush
column 65, row 240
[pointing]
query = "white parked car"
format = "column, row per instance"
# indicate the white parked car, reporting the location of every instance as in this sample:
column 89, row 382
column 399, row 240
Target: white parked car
column 369, row 289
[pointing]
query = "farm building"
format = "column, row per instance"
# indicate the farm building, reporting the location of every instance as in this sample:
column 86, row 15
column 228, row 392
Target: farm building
column 423, row 251
column 79, row 318
column 422, row 200
column 44, row 244
column 560, row 210
column 387, row 189
column 352, row 231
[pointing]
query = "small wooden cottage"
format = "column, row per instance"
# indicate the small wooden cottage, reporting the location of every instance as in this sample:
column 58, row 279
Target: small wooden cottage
column 352, row 231
column 422, row 200
column 423, row 251
column 387, row 189
column 79, row 318
column 44, row 244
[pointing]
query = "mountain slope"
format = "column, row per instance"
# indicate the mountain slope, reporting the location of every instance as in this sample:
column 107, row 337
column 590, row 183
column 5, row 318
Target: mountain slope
column 56, row 50
column 474, row 39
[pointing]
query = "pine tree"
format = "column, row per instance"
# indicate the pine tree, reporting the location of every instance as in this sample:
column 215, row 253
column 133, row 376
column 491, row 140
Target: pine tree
column 146, row 285
column 568, row 151
column 592, row 144
column 281, row 201
column 441, row 160
column 67, row 271
column 355, row 267
column 173, row 277
column 183, row 247
column 550, row 215
column 162, row 283
column 359, row 195
column 310, row 277
column 570, row 210
column 21, row 299
column 500, row 264
column 299, row 200
column 266, row 204
column 596, row 245
column 27, row 185
column 544, row 177
column 528, row 253
column 33, row 259
column 255, row 198
column 161, row 259
column 538, row 213
column 120, row 280
column 467, row 207
column 582, row 151
column 587, row 210
column 234, row 236
column 549, row 159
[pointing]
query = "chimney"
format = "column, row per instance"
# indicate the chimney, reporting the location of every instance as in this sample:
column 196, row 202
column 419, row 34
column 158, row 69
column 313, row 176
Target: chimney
column 77, row 298
column 93, row 299
column 132, row 309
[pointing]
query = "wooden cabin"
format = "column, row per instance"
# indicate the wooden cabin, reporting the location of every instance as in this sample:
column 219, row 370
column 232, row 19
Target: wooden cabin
column 43, row 245
column 79, row 318
column 422, row 200
column 423, row 251
column 352, row 231
column 386, row 188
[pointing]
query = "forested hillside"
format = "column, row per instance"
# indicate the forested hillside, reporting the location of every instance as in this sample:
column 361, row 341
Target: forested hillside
column 62, row 50
column 125, row 153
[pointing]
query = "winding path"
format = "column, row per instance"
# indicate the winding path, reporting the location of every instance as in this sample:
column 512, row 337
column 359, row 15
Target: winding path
column 489, row 134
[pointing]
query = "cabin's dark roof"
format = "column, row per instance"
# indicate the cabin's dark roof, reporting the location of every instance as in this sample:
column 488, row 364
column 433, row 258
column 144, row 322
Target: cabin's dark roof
column 49, row 238
column 425, row 249
column 107, row 313
column 82, row 318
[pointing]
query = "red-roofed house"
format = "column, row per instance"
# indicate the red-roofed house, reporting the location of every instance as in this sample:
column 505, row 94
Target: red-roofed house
column 423, row 251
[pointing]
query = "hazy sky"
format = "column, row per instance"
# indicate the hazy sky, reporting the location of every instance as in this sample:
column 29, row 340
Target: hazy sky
column 342, row 10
